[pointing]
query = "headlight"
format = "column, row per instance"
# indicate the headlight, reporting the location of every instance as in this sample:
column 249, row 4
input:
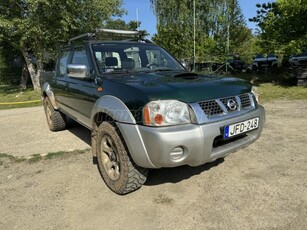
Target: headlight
column 256, row 93
column 164, row 113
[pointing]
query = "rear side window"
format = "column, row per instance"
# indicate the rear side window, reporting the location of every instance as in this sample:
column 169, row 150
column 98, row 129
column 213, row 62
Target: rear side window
column 62, row 63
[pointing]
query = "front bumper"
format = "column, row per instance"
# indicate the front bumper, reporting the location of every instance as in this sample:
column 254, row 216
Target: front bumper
column 150, row 147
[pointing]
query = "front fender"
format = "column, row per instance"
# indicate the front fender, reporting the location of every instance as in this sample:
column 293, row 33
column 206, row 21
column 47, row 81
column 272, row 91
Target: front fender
column 115, row 108
column 47, row 89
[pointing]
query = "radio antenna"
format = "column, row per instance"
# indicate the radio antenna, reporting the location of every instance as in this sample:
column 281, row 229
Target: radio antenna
column 137, row 19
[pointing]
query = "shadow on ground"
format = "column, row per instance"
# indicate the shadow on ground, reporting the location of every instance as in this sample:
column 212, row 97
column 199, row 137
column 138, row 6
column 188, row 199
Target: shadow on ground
column 175, row 175
column 156, row 176
column 79, row 131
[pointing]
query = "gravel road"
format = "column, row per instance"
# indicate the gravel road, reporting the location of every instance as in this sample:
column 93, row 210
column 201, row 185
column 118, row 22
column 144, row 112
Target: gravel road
column 24, row 132
column 261, row 187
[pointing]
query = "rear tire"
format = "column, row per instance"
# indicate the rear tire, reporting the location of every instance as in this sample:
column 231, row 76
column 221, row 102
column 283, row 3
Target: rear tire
column 55, row 119
column 116, row 167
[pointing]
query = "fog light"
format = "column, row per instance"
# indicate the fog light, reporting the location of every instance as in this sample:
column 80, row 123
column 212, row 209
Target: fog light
column 176, row 153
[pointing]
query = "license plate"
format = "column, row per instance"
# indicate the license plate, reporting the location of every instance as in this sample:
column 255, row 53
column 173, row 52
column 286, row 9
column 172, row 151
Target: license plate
column 241, row 127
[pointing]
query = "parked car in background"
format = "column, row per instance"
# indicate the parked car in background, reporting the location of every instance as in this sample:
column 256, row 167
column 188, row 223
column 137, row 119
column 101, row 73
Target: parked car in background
column 202, row 66
column 236, row 64
column 261, row 62
column 187, row 63
column 298, row 59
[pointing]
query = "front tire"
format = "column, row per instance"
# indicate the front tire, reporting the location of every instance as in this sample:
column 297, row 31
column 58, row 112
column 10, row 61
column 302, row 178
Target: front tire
column 55, row 119
column 116, row 167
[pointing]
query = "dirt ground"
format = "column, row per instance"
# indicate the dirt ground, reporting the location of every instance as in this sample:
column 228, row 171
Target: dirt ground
column 24, row 132
column 261, row 187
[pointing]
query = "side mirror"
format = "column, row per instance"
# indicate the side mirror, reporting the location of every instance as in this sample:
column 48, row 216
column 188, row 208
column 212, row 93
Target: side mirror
column 77, row 71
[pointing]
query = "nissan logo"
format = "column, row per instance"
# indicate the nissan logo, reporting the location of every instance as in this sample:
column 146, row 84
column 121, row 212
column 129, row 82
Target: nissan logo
column 232, row 104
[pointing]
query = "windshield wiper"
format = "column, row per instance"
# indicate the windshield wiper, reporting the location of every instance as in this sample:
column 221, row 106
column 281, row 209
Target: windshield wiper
column 119, row 72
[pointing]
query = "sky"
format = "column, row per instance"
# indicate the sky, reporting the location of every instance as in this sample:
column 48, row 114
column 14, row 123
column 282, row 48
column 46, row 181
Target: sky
column 148, row 19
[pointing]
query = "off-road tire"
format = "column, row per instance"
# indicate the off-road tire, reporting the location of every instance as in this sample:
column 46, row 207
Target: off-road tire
column 128, row 177
column 55, row 119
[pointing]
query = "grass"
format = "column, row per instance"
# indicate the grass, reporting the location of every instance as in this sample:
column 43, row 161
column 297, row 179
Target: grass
column 4, row 155
column 276, row 85
column 14, row 94
column 5, row 158
column 62, row 154
column 35, row 158
column 55, row 155
column 269, row 92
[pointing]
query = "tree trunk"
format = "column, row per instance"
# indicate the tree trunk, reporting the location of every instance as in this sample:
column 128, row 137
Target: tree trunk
column 24, row 78
column 34, row 73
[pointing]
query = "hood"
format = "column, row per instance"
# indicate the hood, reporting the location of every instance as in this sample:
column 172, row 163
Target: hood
column 183, row 86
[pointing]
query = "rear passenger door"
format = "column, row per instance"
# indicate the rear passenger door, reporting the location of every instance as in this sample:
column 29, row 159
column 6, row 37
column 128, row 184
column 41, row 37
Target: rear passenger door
column 59, row 81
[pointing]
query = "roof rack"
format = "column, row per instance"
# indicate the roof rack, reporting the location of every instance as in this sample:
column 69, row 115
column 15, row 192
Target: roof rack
column 109, row 34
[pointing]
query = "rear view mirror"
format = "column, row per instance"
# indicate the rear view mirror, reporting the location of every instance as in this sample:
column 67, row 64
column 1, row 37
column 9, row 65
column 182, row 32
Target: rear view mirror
column 77, row 71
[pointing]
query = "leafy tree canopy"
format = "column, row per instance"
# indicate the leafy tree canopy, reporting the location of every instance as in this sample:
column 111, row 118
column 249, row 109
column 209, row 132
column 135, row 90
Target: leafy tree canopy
column 214, row 18
column 282, row 25
column 39, row 26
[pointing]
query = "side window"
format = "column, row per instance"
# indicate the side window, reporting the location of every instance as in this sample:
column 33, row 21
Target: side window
column 80, row 57
column 62, row 63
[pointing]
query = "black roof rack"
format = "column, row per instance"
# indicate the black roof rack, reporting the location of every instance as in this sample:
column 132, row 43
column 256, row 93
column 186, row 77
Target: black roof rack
column 109, row 34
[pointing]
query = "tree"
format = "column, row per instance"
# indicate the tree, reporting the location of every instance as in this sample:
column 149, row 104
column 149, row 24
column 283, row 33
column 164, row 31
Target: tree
column 282, row 25
column 38, row 27
column 10, row 64
column 214, row 18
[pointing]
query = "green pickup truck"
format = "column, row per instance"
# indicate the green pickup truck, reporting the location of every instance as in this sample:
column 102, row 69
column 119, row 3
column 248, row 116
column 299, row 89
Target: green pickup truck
column 144, row 109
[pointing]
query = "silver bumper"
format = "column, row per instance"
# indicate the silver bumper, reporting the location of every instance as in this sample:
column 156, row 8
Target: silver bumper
column 150, row 147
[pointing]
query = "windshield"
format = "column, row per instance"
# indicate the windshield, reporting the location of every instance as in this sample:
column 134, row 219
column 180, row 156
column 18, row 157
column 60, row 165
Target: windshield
column 134, row 57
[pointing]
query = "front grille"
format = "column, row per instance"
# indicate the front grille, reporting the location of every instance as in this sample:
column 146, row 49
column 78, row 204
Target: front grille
column 213, row 107
column 245, row 100
column 225, row 100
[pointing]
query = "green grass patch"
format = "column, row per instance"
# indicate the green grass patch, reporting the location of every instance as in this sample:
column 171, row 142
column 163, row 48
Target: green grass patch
column 280, row 84
column 55, row 155
column 6, row 158
column 4, row 155
column 270, row 92
column 13, row 94
column 35, row 158
column 61, row 154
